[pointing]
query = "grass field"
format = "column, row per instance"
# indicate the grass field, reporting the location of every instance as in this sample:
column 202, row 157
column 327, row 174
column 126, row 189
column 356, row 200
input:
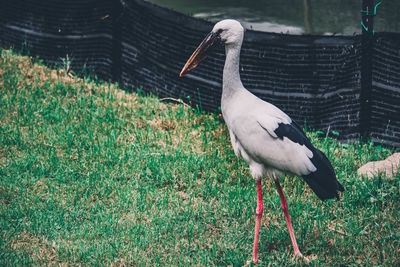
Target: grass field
column 91, row 175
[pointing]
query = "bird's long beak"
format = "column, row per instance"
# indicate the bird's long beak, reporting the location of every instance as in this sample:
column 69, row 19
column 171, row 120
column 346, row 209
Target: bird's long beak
column 199, row 54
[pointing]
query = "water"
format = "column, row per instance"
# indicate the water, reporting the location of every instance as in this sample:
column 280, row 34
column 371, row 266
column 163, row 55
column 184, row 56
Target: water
column 327, row 17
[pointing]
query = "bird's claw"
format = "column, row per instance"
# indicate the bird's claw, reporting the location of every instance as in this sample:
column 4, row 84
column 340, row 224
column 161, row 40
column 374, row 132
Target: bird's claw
column 252, row 261
column 298, row 255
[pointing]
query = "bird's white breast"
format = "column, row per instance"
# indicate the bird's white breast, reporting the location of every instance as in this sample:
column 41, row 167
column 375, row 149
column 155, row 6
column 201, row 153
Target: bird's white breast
column 251, row 123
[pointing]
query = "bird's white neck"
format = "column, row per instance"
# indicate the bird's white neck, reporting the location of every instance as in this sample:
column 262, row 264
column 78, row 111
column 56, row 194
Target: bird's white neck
column 231, row 78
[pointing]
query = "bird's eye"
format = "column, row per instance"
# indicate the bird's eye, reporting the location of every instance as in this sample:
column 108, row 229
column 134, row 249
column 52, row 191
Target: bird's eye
column 219, row 31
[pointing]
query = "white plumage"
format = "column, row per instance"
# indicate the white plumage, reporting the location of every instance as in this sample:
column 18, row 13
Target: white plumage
column 263, row 135
column 252, row 121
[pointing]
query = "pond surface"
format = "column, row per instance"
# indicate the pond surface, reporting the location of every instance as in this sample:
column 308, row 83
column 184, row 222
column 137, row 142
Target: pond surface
column 292, row 16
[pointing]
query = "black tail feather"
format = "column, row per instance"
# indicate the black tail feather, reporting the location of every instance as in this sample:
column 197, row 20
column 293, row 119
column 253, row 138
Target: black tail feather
column 323, row 181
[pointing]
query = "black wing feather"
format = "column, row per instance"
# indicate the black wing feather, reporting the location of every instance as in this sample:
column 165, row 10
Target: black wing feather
column 323, row 181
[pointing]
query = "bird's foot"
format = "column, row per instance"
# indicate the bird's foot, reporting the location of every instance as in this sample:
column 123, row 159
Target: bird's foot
column 252, row 261
column 298, row 255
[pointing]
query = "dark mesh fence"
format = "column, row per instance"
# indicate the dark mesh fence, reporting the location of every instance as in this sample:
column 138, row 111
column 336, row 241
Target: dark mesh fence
column 385, row 95
column 54, row 29
column 315, row 79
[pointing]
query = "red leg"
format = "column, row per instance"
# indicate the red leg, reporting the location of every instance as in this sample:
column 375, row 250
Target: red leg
column 285, row 209
column 259, row 211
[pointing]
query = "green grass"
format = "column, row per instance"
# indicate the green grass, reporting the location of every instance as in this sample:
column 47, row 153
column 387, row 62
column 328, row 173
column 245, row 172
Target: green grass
column 91, row 175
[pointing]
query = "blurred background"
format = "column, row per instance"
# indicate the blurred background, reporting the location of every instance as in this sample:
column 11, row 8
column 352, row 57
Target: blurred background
column 341, row 17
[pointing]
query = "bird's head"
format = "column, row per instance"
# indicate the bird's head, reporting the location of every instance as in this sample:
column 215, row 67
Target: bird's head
column 228, row 31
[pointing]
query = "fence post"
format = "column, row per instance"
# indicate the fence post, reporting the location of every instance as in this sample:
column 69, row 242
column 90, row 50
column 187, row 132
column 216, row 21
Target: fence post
column 367, row 39
column 116, row 41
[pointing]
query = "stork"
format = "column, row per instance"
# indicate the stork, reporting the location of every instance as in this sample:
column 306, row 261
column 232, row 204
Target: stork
column 263, row 135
